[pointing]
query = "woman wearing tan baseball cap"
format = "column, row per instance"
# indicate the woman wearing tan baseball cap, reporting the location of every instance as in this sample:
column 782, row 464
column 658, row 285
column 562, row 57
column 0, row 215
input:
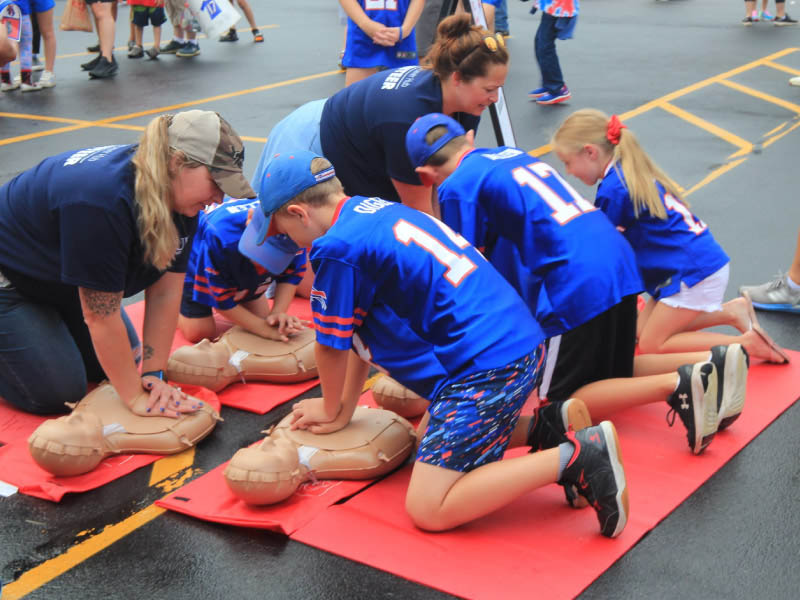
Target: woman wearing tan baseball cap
column 84, row 229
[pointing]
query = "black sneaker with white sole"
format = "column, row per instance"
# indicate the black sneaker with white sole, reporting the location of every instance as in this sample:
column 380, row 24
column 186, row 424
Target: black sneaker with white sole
column 596, row 470
column 695, row 402
column 732, row 364
column 88, row 66
column 105, row 68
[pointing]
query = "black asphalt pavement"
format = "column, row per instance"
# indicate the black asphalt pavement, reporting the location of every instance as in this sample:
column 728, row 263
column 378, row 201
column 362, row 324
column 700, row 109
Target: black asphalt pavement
column 669, row 69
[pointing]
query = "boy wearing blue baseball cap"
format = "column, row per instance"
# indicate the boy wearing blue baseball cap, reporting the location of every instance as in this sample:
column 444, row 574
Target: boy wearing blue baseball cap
column 413, row 298
column 232, row 270
column 579, row 277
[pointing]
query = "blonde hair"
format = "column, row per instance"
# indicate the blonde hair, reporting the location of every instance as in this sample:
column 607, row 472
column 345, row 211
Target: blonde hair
column 153, row 192
column 463, row 47
column 317, row 195
column 443, row 154
column 590, row 126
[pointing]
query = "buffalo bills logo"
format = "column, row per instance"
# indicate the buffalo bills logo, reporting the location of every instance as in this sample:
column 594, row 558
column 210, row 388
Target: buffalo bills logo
column 211, row 7
column 320, row 297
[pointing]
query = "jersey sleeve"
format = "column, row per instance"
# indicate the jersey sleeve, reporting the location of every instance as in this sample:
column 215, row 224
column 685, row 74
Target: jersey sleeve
column 213, row 285
column 334, row 303
column 296, row 270
column 96, row 260
column 613, row 199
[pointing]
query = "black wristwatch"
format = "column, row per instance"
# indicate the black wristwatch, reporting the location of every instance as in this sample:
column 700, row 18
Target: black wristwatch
column 160, row 374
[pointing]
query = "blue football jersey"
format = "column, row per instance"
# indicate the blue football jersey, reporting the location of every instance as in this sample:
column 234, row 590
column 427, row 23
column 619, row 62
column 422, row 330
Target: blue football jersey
column 362, row 52
column 414, row 298
column 668, row 251
column 559, row 252
column 222, row 276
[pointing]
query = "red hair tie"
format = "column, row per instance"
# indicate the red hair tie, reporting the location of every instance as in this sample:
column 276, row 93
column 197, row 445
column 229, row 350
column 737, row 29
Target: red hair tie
column 614, row 130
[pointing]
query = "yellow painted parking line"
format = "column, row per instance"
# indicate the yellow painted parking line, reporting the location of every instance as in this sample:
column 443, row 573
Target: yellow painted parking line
column 731, row 138
column 775, row 138
column 113, row 121
column 50, row 569
column 791, row 106
column 714, row 174
column 780, row 67
column 169, row 465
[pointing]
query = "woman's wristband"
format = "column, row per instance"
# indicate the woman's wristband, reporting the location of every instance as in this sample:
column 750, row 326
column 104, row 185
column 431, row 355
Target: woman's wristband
column 160, row 374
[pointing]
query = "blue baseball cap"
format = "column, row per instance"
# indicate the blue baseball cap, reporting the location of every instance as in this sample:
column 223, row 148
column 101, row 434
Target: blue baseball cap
column 418, row 150
column 275, row 253
column 285, row 176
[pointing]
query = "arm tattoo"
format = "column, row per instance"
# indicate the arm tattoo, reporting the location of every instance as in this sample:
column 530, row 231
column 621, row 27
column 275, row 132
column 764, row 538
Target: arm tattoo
column 147, row 352
column 102, row 304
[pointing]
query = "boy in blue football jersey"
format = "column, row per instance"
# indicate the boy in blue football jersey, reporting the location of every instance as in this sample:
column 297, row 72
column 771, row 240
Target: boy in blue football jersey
column 578, row 276
column 409, row 295
column 229, row 272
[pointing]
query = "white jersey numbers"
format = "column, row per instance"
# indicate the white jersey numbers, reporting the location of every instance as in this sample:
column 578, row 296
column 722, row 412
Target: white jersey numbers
column 458, row 265
column 694, row 224
column 536, row 175
column 380, row 5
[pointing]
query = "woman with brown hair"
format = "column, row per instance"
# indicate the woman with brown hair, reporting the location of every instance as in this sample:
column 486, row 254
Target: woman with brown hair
column 362, row 127
column 84, row 229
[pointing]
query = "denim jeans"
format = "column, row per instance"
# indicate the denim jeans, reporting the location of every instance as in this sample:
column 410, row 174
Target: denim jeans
column 544, row 45
column 46, row 354
column 501, row 16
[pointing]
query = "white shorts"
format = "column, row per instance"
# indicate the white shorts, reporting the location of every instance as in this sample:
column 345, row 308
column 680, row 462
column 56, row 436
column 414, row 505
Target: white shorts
column 705, row 296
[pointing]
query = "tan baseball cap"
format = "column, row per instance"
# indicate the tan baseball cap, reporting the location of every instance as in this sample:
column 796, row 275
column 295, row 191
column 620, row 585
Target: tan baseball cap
column 206, row 137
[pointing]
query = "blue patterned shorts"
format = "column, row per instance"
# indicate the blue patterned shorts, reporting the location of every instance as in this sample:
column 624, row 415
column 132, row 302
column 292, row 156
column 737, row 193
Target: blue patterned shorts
column 471, row 421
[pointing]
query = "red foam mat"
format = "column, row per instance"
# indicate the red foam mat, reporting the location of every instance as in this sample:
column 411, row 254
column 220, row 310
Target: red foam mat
column 538, row 546
column 257, row 397
column 19, row 469
column 208, row 498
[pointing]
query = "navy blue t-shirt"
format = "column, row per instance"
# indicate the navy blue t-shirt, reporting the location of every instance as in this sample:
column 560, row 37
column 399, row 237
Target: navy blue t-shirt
column 363, row 128
column 70, row 222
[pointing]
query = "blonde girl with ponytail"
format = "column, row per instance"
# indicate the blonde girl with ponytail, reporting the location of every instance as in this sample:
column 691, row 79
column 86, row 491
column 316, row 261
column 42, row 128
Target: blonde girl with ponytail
column 685, row 271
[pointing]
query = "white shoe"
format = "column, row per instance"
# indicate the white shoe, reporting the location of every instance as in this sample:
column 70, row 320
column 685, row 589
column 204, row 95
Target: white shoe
column 31, row 87
column 7, row 87
column 795, row 81
column 47, row 80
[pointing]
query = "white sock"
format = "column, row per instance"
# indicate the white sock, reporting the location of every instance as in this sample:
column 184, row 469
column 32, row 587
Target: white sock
column 180, row 40
column 795, row 287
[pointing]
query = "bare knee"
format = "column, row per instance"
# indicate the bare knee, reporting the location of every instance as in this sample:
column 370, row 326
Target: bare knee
column 425, row 515
column 195, row 330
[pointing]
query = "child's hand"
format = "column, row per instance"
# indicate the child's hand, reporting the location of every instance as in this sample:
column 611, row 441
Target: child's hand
column 287, row 324
column 386, row 36
column 310, row 414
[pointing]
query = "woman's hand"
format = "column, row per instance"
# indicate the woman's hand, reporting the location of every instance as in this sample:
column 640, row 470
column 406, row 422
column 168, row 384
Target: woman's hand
column 165, row 400
column 311, row 414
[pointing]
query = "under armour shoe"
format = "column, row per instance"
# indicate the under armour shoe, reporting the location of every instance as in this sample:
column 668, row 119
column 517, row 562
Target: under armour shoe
column 732, row 364
column 561, row 95
column 695, row 402
column 596, row 470
column 552, row 420
column 773, row 295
